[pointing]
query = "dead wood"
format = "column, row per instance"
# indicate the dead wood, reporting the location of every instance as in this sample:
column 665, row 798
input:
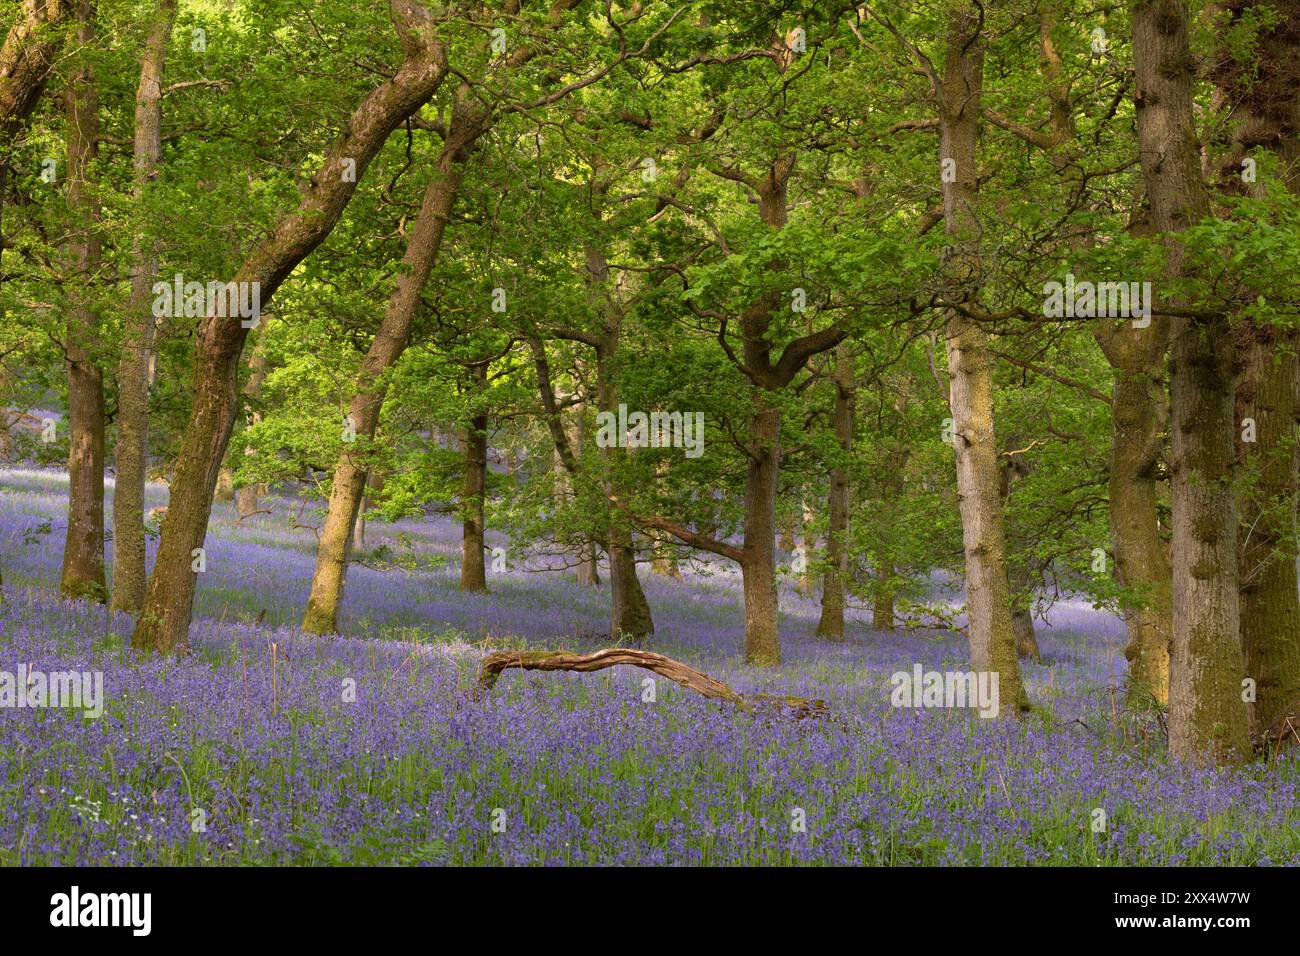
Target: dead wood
column 493, row 664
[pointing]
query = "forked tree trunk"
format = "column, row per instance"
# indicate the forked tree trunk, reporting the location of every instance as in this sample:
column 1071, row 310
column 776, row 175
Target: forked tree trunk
column 165, row 618
column 831, row 623
column 757, row 558
column 83, row 550
column 970, row 367
column 1207, row 717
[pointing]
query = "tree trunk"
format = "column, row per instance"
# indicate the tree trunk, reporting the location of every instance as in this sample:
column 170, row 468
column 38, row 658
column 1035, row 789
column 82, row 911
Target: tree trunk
column 1141, row 555
column 882, row 608
column 83, row 551
column 831, row 623
column 665, row 561
column 359, row 528
column 165, row 618
column 138, row 326
column 1139, row 419
column 970, row 367
column 1020, row 578
column 246, row 496
column 788, row 534
column 1261, row 95
column 588, row 570
column 473, row 573
column 629, row 612
column 390, row 340
column 1207, row 718
column 225, row 484
column 762, row 471
column 1022, row 612
column 26, row 58
column 758, row 569
column 807, row 546
column 1266, row 548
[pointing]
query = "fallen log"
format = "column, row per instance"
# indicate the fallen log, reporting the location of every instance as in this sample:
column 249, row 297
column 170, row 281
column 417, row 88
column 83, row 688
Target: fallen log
column 493, row 664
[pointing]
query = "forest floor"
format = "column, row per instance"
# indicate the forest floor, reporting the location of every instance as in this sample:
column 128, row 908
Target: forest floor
column 267, row 746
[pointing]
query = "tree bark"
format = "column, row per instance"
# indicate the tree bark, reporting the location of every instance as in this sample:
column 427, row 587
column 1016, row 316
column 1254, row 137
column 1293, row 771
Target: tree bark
column 1020, row 577
column 1207, row 717
column 588, row 570
column 225, row 484
column 1139, row 418
column 970, row 367
column 882, row 608
column 758, row 568
column 1022, row 612
column 1138, row 405
column 492, row 665
column 831, row 623
column 390, row 341
column 164, row 620
column 473, row 572
column 629, row 613
column 1262, row 99
column 83, row 551
column 26, row 58
column 132, row 451
column 1266, row 546
column 665, row 561
column 246, row 496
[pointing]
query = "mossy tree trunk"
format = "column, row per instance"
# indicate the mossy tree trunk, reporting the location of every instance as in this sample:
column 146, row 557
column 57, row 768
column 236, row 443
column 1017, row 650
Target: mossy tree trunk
column 1207, row 717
